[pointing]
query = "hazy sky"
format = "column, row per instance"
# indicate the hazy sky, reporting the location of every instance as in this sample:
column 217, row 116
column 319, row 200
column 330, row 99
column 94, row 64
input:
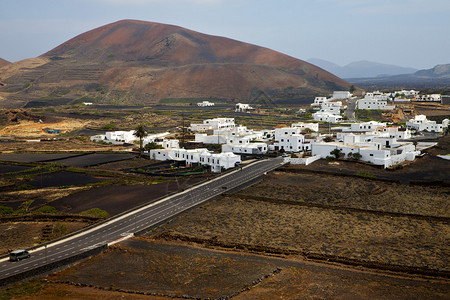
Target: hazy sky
column 410, row 33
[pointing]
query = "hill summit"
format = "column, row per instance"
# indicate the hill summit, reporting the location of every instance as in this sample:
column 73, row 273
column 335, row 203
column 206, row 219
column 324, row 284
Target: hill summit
column 137, row 62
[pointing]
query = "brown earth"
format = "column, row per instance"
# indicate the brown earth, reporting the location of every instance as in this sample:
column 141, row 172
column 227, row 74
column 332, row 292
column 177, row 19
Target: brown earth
column 20, row 235
column 176, row 269
column 130, row 62
column 327, row 216
column 3, row 62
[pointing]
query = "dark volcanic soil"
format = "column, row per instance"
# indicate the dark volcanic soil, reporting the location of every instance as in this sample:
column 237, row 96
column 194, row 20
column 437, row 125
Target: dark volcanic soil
column 116, row 199
column 179, row 269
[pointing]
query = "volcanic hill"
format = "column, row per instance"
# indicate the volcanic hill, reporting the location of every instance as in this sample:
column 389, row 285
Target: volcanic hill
column 3, row 62
column 137, row 62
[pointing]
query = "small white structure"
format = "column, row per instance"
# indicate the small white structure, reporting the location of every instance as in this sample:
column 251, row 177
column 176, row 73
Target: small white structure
column 331, row 107
column 205, row 104
column 341, row 95
column 421, row 123
column 121, row 137
column 327, row 117
column 310, row 126
column 211, row 124
column 290, row 139
column 241, row 107
column 410, row 93
column 374, row 102
column 87, row 103
column 217, row 161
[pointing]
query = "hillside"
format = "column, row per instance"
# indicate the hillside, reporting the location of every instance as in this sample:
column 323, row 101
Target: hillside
column 361, row 69
column 3, row 62
column 137, row 62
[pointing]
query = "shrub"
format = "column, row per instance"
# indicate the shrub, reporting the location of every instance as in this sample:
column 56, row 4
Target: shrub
column 24, row 187
column 5, row 210
column 109, row 126
column 337, row 153
column 95, row 212
column 46, row 209
column 365, row 174
column 327, row 139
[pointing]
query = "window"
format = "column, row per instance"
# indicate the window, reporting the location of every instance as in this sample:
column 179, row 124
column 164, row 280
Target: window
column 371, row 154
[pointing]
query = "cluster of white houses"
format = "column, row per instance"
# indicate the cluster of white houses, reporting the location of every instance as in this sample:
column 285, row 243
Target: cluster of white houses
column 373, row 142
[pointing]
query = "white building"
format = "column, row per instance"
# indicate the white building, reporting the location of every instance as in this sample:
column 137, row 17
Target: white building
column 205, row 104
column 290, row 139
column 302, row 125
column 318, row 101
column 240, row 107
column 248, row 148
column 410, row 93
column 380, row 151
column 211, row 124
column 327, row 117
column 217, row 161
column 121, row 137
column 364, row 127
column 372, row 102
column 341, row 95
column 395, row 132
column 421, row 123
column 331, row 107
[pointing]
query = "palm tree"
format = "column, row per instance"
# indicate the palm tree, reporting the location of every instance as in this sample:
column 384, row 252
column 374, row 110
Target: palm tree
column 141, row 133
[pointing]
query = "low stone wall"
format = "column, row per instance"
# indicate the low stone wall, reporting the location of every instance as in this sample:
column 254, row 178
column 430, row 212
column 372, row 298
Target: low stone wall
column 302, row 161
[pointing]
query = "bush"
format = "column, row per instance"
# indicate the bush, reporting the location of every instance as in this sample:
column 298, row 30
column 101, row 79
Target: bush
column 365, row 174
column 5, row 210
column 24, row 187
column 337, row 153
column 327, row 139
column 46, row 209
column 109, row 126
column 97, row 212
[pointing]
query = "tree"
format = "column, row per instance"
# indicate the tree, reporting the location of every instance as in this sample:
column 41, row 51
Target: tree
column 337, row 153
column 140, row 132
column 327, row 139
column 352, row 89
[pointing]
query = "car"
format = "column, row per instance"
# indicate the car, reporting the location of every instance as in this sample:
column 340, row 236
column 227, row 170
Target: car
column 18, row 255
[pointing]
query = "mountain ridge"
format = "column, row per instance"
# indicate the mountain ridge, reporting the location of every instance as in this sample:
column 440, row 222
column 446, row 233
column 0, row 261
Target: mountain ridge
column 361, row 69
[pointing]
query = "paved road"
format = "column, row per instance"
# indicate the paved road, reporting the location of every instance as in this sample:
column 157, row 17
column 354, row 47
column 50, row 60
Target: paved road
column 124, row 226
column 350, row 111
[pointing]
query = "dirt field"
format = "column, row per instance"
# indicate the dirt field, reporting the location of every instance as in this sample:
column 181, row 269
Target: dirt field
column 177, row 269
column 19, row 235
column 326, row 216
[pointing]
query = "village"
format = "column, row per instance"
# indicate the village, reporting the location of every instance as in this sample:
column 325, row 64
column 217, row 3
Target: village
column 327, row 136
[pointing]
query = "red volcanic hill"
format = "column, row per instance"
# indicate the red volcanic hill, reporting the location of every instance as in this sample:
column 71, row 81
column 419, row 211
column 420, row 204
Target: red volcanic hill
column 150, row 61
column 3, row 62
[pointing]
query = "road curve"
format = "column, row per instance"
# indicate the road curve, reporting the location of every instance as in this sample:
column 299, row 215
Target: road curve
column 124, row 226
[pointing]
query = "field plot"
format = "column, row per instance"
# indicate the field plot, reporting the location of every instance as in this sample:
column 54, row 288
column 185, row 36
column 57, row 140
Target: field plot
column 309, row 215
column 94, row 159
column 12, row 168
column 35, row 157
column 62, row 178
column 177, row 269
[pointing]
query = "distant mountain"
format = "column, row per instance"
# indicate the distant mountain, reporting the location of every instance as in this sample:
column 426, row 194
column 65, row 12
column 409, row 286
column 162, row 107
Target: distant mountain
column 3, row 62
column 437, row 77
column 361, row 69
column 137, row 62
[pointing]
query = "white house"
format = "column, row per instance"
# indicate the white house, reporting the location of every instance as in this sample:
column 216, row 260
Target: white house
column 409, row 93
column 290, row 139
column 248, row 148
column 364, row 126
column 395, row 132
column 318, row 101
column 302, row 125
column 216, row 161
column 327, row 117
column 372, row 102
column 383, row 151
column 421, row 123
column 211, row 124
column 331, row 107
column 241, row 107
column 341, row 95
column 205, row 104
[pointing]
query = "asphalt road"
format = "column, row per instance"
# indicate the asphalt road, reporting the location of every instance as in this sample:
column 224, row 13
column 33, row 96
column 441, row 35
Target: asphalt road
column 350, row 112
column 137, row 220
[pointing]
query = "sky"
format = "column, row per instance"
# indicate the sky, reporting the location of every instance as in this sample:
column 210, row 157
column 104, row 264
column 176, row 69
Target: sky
column 408, row 33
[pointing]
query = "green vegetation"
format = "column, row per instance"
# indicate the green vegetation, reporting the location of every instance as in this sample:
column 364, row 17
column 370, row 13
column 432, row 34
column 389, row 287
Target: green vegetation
column 327, row 139
column 97, row 212
column 355, row 156
column 25, row 187
column 365, row 174
column 109, row 126
column 110, row 55
column 66, row 186
column 151, row 146
column 46, row 209
column 140, row 132
column 5, row 210
column 337, row 153
column 22, row 290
